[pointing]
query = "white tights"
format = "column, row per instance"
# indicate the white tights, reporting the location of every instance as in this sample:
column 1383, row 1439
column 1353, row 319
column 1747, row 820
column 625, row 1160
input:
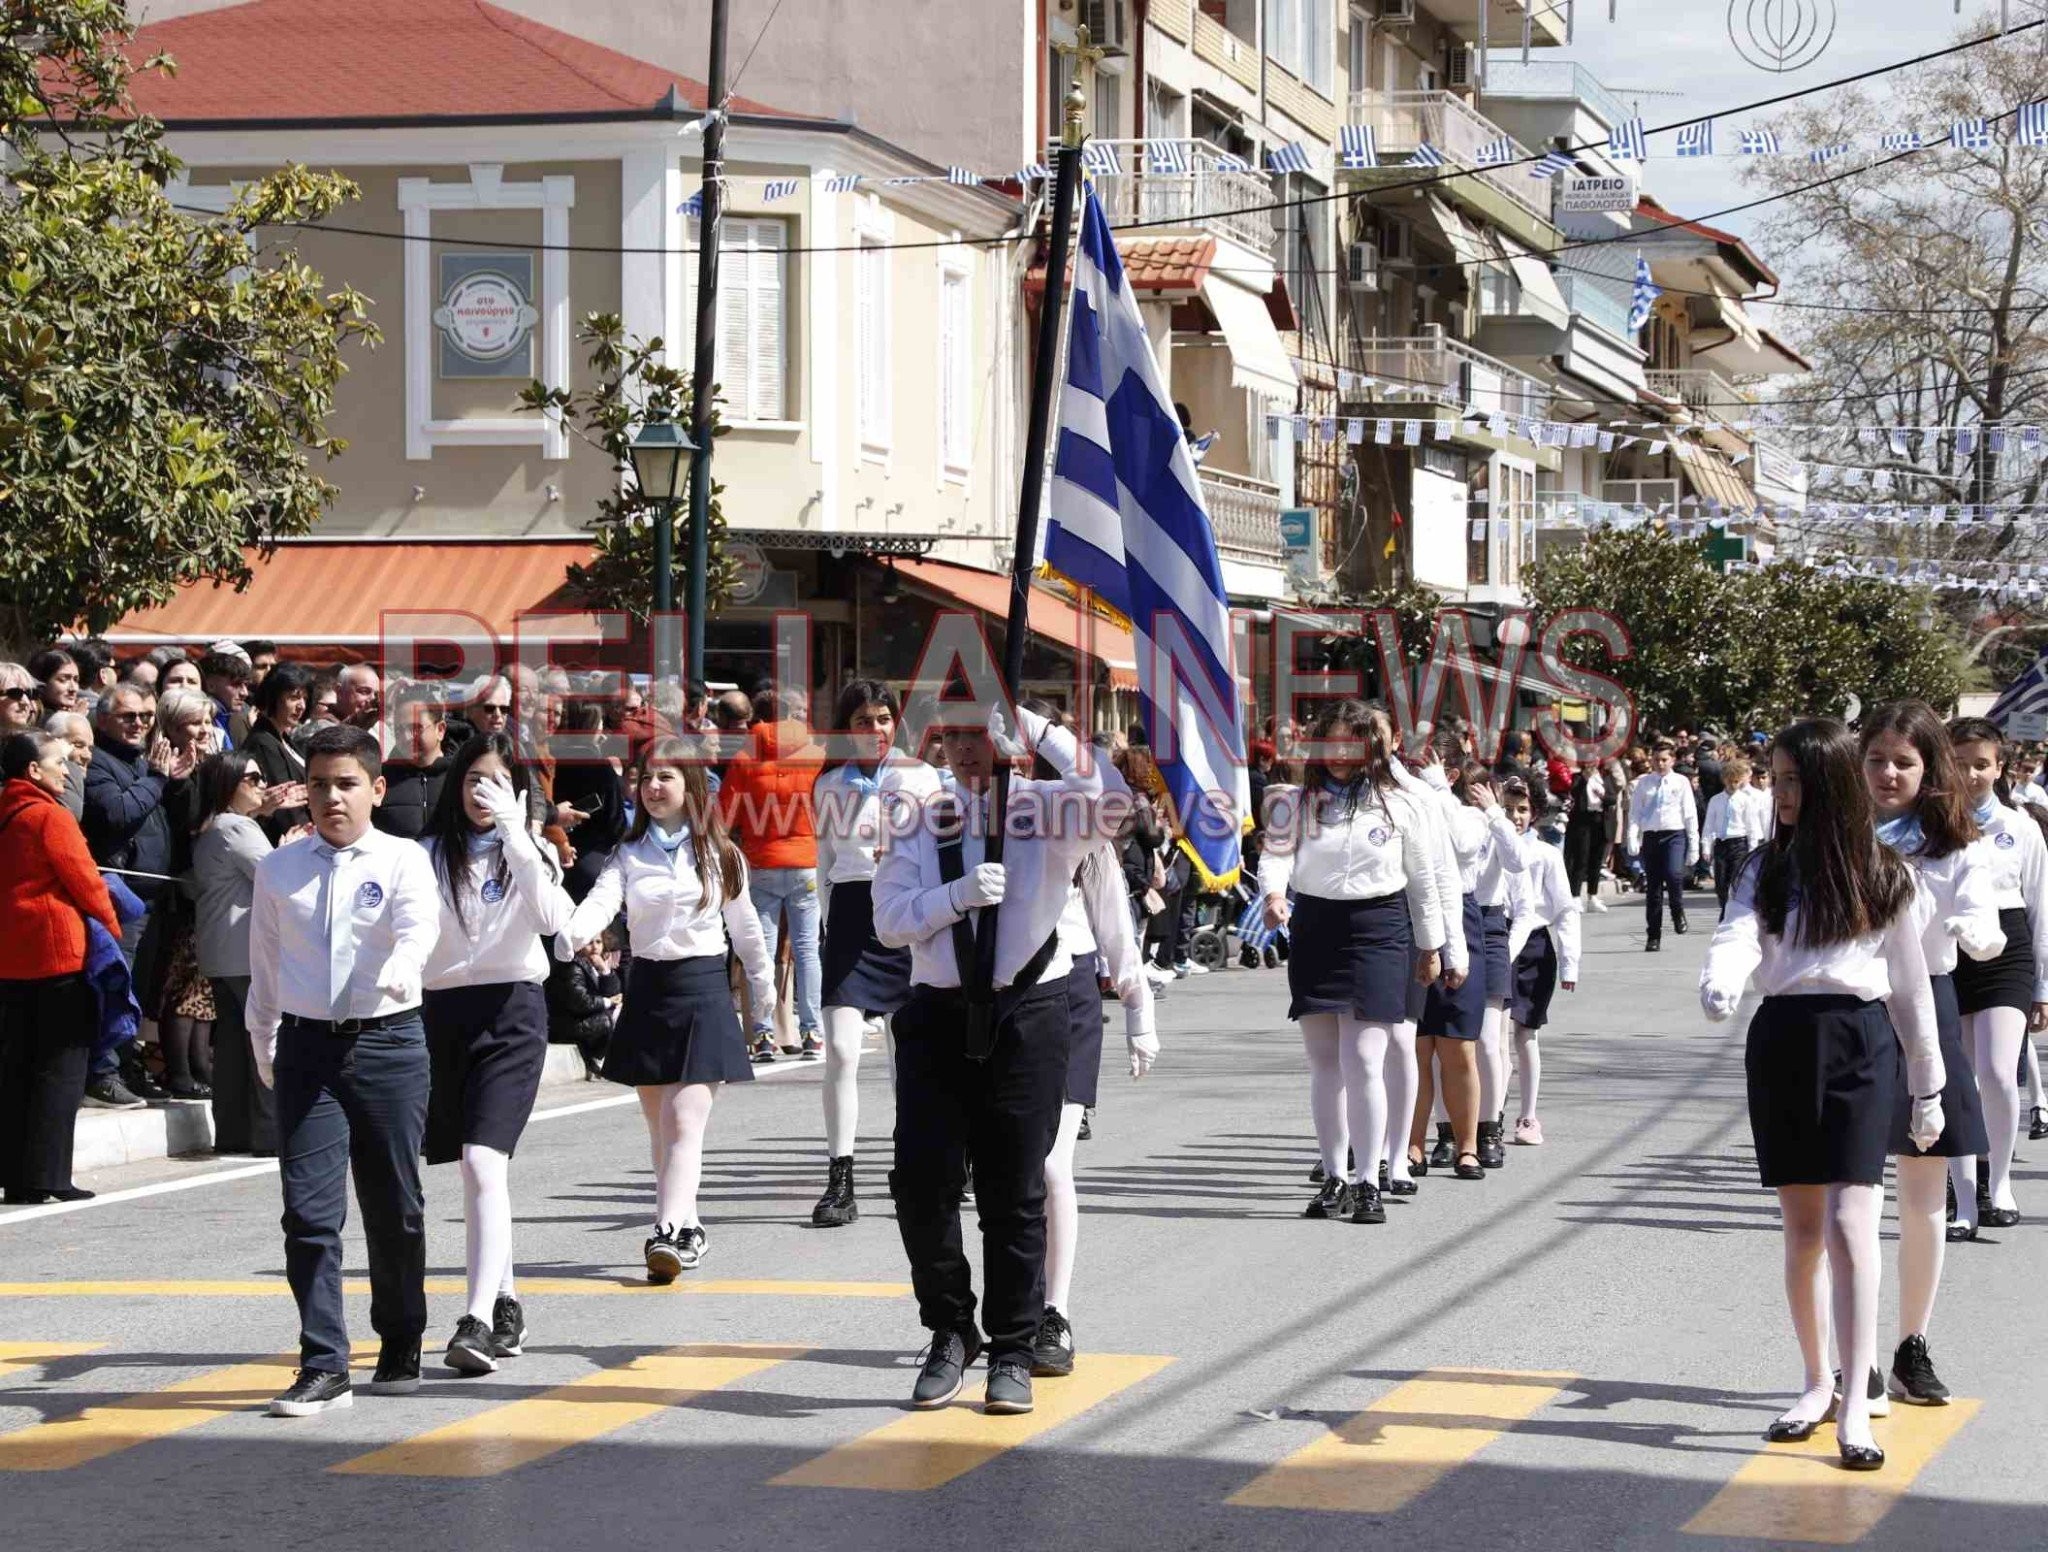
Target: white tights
column 1831, row 1242
column 487, row 1226
column 845, row 1029
column 1923, row 1240
column 2037, row 1095
column 676, row 1115
column 1347, row 1092
column 1403, row 1082
column 1995, row 1036
column 1062, row 1212
column 1528, row 1070
column 1493, row 1062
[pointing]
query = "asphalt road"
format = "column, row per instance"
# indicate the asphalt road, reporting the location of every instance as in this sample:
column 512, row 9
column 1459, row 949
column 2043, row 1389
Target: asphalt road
column 1610, row 1303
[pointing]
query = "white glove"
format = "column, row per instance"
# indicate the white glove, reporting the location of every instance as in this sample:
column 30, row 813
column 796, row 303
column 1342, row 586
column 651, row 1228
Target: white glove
column 1719, row 1003
column 401, row 983
column 506, row 808
column 982, row 885
column 264, row 1054
column 1142, row 1041
column 265, row 1074
column 1927, row 1122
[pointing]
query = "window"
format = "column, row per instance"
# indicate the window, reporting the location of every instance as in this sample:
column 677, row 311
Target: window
column 1500, row 294
column 753, row 321
column 1302, row 255
column 873, row 302
column 1166, row 111
column 956, row 373
column 1299, row 38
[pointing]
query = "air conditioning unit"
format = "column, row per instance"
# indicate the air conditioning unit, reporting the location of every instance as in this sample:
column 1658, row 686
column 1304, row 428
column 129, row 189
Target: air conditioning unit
column 1397, row 13
column 1362, row 266
column 1105, row 20
column 1460, row 73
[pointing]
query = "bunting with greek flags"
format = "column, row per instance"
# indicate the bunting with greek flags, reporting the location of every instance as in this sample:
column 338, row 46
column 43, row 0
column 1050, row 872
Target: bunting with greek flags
column 1127, row 522
column 1551, row 163
column 1758, row 142
column 1292, row 157
column 1356, row 148
column 1100, row 158
column 1629, row 142
column 1900, row 140
column 1970, row 135
column 1697, row 139
column 2032, row 126
column 1497, row 152
column 778, row 188
column 1820, row 156
column 1171, row 156
column 1426, row 155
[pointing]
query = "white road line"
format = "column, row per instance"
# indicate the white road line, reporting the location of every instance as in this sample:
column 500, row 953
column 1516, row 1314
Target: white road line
column 269, row 1166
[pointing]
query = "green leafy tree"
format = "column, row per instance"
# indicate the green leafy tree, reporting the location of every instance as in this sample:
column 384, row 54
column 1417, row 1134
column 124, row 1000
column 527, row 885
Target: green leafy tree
column 164, row 386
column 632, row 384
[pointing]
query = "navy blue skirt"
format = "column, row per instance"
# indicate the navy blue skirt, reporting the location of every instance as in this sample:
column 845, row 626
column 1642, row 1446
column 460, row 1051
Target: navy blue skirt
column 1084, row 1053
column 858, row 971
column 677, row 1025
column 1350, row 956
column 1500, row 975
column 2004, row 982
column 486, row 1046
column 1963, row 1133
column 1448, row 1015
column 1823, row 1083
column 1535, row 980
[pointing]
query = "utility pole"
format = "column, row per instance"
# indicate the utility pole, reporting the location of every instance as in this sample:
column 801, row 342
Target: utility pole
column 705, row 372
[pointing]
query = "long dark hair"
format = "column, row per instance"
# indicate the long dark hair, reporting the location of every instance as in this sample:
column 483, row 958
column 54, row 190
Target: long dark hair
column 1375, row 765
column 859, row 693
column 1846, row 882
column 1943, row 810
column 449, row 826
column 214, row 785
column 716, row 855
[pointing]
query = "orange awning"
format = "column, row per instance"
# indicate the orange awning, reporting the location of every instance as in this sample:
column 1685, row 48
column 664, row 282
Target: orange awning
column 1053, row 617
column 337, row 592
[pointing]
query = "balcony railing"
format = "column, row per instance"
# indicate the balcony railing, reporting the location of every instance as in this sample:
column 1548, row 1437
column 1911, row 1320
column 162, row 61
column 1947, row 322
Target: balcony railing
column 1705, row 392
column 1186, row 181
column 1557, row 80
column 1598, row 300
column 1245, row 514
column 1401, row 121
column 1435, row 369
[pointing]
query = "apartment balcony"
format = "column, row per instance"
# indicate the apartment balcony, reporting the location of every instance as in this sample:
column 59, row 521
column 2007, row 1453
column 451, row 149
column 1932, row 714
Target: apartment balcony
column 1553, row 80
column 1706, row 393
column 1435, row 369
column 1191, row 183
column 1507, row 195
column 1244, row 514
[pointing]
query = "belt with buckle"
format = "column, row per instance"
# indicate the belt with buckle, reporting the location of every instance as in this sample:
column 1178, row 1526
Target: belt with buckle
column 353, row 1026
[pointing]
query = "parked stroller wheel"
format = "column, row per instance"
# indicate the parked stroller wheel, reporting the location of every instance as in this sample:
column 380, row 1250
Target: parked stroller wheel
column 1208, row 948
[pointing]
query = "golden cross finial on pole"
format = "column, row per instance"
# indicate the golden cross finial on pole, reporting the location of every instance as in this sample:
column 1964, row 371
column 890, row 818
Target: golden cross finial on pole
column 1084, row 53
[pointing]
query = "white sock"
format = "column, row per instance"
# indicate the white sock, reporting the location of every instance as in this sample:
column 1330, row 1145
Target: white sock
column 1062, row 1213
column 1999, row 1033
column 1528, row 1069
column 845, row 1029
column 678, row 1113
column 1962, row 1175
column 1403, row 1079
column 1362, row 1054
column 1923, row 1240
column 486, row 1226
column 1326, row 1090
column 1491, row 1064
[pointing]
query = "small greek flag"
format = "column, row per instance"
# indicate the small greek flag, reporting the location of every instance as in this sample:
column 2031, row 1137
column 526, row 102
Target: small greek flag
column 1643, row 297
column 1426, row 155
column 1101, row 159
column 1901, row 140
column 778, row 188
column 1495, row 152
column 1034, row 172
column 1629, row 143
column 1292, row 157
column 1230, row 161
column 1697, row 139
column 1356, row 147
column 1970, row 135
column 1758, row 142
column 1551, row 163
column 1820, row 156
column 2033, row 124
column 842, row 183
column 693, row 206
column 960, row 175
column 1170, row 156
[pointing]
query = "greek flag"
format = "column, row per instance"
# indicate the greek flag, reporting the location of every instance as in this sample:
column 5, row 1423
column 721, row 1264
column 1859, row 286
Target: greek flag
column 1970, row 135
column 842, row 183
column 1551, row 163
column 1902, row 140
column 1628, row 143
column 693, row 206
column 1170, row 156
column 1697, row 139
column 1356, row 148
column 1495, row 152
column 778, row 188
column 1127, row 522
column 1820, row 156
column 1426, row 155
column 1758, row 142
column 961, row 175
column 1643, row 297
column 1101, row 159
column 1292, row 157
column 2026, row 696
column 1230, row 161
column 2033, row 124
column 1033, row 172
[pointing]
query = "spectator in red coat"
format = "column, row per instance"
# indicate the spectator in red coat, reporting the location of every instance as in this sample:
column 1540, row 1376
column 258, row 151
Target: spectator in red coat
column 49, row 1015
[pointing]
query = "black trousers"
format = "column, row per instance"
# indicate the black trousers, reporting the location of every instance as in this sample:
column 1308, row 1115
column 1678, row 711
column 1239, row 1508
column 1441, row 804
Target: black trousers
column 1585, row 848
column 1002, row 1113
column 1729, row 856
column 353, row 1104
column 1664, row 876
column 244, row 1111
column 46, row 1037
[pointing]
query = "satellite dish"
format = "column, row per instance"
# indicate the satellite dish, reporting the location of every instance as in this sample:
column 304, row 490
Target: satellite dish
column 1853, row 710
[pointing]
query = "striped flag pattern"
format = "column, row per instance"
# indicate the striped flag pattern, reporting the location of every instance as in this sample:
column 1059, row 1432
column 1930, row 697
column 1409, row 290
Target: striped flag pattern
column 1551, row 163
column 778, row 188
column 1901, row 140
column 1820, row 156
column 1171, row 156
column 1292, row 157
column 2032, row 129
column 1426, row 155
column 1127, row 523
column 842, row 183
column 1970, row 135
column 1643, row 297
column 1356, row 147
column 693, row 206
column 1697, row 139
column 961, row 175
column 1033, row 172
column 1758, row 142
column 1629, row 143
column 1101, row 159
column 1495, row 152
column 2025, row 696
column 1230, row 161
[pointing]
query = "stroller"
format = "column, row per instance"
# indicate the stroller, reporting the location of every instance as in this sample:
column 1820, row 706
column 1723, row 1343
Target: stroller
column 1237, row 913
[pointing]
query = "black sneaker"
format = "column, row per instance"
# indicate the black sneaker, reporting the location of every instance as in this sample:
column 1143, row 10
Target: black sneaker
column 1913, row 1377
column 313, row 1391
column 1332, row 1201
column 837, row 1208
column 763, row 1050
column 1009, row 1388
column 691, row 1242
column 1874, row 1390
column 113, row 1094
column 811, row 1047
column 1366, row 1204
column 944, row 1367
column 139, row 1083
column 508, row 1327
column 470, row 1350
column 1445, row 1153
column 398, row 1369
column 1087, row 1131
column 663, row 1260
column 1052, row 1350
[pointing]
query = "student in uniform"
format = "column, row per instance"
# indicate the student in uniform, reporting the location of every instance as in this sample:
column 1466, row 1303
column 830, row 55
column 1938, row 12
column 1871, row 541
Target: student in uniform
column 487, row 1019
column 1499, row 870
column 1664, row 828
column 1822, row 918
column 1359, row 854
column 1738, row 821
column 999, row 1110
column 862, row 978
column 684, row 888
column 1586, row 835
column 1543, row 946
column 2000, row 999
column 1924, row 815
column 340, row 928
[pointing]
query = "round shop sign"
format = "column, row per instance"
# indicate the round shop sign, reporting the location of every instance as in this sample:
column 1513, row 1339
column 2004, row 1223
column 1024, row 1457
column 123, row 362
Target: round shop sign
column 751, row 565
column 486, row 316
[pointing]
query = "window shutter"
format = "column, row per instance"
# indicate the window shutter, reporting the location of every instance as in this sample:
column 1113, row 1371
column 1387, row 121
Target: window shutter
column 874, row 344
column 957, row 371
column 735, row 305
column 771, row 265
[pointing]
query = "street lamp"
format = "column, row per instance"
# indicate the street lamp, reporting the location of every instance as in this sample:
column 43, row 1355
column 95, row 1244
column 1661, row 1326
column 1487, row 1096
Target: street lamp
column 657, row 449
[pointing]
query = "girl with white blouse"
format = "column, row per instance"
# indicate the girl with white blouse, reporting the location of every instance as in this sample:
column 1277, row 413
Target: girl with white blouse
column 1494, row 876
column 1822, row 920
column 1357, row 852
column 683, row 884
column 1924, row 816
column 485, row 1010
column 2000, row 998
column 1543, row 945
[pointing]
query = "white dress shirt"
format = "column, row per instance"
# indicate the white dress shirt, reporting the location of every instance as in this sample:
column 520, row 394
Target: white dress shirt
column 1333, row 849
column 2019, row 874
column 333, row 933
column 1888, row 965
column 498, row 938
column 1746, row 814
column 1097, row 920
column 1051, row 826
column 1664, row 802
column 1543, row 898
column 1593, row 792
column 1449, row 886
column 847, row 808
column 1957, row 900
column 1500, row 857
column 670, row 914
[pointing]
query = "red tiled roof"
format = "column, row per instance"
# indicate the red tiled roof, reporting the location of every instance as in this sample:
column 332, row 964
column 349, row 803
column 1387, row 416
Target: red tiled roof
column 1650, row 210
column 1153, row 264
column 317, row 60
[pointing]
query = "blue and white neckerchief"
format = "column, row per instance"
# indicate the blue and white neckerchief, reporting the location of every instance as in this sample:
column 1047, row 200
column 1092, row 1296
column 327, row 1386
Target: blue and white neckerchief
column 867, row 783
column 1983, row 811
column 483, row 841
column 669, row 841
column 1904, row 834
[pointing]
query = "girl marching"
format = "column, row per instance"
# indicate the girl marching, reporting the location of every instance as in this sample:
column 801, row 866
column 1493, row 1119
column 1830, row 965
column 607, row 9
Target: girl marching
column 1822, row 918
column 684, row 888
column 485, row 1010
column 1543, row 945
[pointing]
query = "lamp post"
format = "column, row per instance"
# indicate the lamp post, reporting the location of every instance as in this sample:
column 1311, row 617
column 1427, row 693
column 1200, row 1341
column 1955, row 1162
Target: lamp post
column 657, row 449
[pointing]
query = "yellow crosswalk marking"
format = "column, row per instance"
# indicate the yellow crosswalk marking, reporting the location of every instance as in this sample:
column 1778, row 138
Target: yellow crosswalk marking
column 100, row 1431
column 1799, row 1492
column 528, row 1286
column 507, row 1437
column 1404, row 1443
column 923, row 1450
column 16, row 1356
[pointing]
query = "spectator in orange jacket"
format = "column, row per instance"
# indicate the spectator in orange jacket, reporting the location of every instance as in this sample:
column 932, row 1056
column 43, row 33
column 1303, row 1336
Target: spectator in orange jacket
column 766, row 800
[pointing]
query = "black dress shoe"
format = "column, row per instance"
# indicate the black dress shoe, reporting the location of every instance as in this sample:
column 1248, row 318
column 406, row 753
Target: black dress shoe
column 945, row 1366
column 1333, row 1201
column 1402, row 1188
column 1418, row 1163
column 1679, row 924
column 1315, row 1174
column 1445, row 1152
column 2000, row 1217
column 1385, row 1177
column 1472, row 1171
column 1491, row 1154
column 1652, row 945
column 1959, row 1233
column 2037, row 1123
column 1366, row 1206
column 1861, row 1457
column 1791, row 1430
